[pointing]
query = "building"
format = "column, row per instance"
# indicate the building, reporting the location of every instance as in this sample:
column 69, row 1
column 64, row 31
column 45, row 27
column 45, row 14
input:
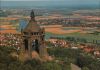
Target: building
column 33, row 39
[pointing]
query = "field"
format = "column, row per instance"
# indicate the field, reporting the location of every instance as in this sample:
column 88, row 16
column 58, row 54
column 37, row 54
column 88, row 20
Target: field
column 77, row 35
column 7, row 26
column 58, row 29
column 53, row 30
column 77, row 32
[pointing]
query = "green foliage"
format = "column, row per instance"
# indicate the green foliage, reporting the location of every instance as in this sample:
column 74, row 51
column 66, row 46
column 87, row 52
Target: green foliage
column 64, row 54
column 49, row 44
column 7, row 62
column 84, row 60
column 3, row 66
column 85, row 68
column 63, row 58
column 49, row 66
column 95, row 65
column 89, row 62
column 4, row 57
column 67, row 55
column 96, row 33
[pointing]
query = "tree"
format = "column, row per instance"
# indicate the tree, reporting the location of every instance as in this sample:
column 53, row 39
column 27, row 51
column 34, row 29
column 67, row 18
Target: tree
column 96, row 32
column 49, row 66
column 3, row 66
column 27, row 67
column 85, row 68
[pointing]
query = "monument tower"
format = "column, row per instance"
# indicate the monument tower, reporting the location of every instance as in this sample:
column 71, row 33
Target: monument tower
column 33, row 38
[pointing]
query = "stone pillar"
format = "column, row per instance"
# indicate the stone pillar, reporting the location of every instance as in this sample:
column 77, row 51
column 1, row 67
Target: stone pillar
column 30, row 48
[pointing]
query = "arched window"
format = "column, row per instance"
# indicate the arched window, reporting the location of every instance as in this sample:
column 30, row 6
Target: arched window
column 36, row 46
column 26, row 44
column 33, row 45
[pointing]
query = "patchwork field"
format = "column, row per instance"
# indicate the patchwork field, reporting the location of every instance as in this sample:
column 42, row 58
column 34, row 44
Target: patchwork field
column 77, row 32
column 58, row 29
column 7, row 27
column 77, row 35
column 53, row 30
column 10, row 31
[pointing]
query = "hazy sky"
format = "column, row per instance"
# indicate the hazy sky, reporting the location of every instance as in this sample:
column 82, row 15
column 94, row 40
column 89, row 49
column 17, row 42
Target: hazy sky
column 68, row 1
column 53, row 0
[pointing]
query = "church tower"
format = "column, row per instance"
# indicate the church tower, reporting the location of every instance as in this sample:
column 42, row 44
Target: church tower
column 33, row 38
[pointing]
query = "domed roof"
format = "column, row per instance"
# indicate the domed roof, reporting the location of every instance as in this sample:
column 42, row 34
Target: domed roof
column 32, row 26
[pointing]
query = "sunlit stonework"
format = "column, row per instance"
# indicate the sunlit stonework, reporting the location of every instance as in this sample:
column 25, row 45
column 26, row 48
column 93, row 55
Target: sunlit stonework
column 33, row 39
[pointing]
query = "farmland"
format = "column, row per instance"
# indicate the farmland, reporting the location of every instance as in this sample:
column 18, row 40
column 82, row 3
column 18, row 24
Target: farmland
column 76, row 32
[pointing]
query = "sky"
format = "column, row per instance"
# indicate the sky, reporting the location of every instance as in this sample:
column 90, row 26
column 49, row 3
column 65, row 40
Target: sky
column 50, row 2
column 70, row 1
column 54, row 0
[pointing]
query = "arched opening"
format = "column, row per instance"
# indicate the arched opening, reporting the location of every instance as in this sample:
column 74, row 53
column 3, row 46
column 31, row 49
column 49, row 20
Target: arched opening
column 35, row 45
column 26, row 44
